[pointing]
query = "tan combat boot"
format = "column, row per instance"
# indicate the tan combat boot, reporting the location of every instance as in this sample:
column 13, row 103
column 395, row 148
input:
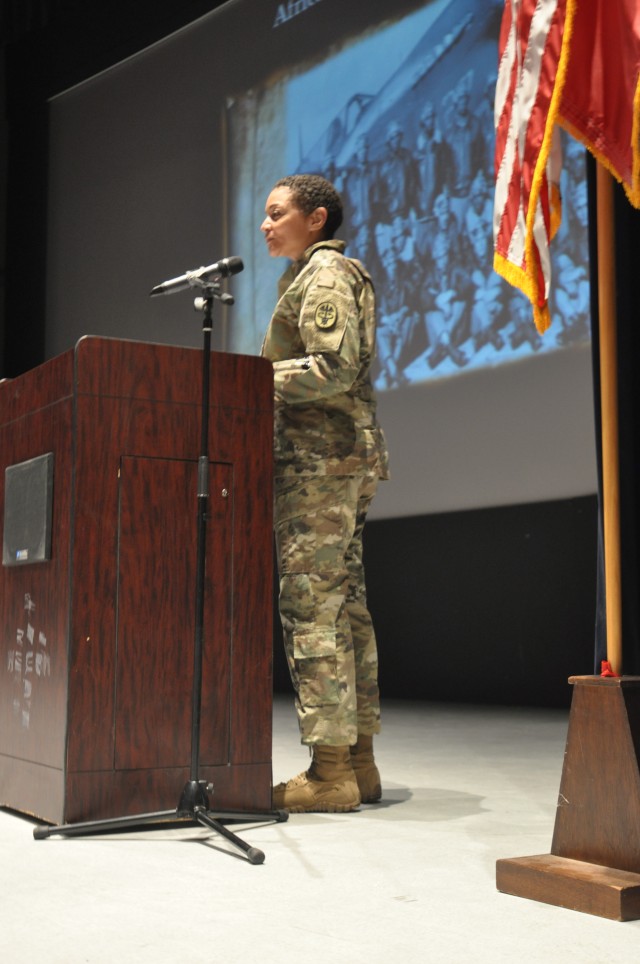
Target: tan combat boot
column 365, row 769
column 328, row 786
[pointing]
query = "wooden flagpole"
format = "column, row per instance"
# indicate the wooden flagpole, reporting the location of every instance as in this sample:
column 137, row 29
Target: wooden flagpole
column 609, row 414
column 594, row 864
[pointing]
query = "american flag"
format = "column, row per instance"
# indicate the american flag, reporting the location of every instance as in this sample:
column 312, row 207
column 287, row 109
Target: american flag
column 564, row 62
column 527, row 199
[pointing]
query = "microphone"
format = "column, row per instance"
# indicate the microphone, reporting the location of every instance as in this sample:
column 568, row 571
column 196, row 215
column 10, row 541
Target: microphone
column 219, row 269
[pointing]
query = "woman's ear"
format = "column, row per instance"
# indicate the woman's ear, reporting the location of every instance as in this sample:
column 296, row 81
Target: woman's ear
column 318, row 219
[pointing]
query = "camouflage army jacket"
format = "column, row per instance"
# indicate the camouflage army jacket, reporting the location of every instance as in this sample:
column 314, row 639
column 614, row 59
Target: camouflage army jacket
column 321, row 340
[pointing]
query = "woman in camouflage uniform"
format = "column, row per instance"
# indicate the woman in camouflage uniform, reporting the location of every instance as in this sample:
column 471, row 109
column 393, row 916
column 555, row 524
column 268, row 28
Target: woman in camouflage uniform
column 329, row 455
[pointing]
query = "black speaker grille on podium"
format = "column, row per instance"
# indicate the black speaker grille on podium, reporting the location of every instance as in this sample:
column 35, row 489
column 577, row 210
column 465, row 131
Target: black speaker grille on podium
column 27, row 511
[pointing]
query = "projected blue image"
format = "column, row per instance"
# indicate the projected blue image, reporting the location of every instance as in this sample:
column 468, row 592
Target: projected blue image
column 401, row 120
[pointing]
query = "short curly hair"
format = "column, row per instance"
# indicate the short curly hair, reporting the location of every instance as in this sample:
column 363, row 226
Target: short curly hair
column 311, row 191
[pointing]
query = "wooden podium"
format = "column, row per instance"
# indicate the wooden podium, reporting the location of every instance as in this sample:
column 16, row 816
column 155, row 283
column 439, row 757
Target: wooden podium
column 97, row 669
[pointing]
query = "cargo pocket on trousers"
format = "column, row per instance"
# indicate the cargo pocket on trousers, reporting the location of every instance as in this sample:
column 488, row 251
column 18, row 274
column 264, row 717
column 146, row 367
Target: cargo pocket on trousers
column 314, row 652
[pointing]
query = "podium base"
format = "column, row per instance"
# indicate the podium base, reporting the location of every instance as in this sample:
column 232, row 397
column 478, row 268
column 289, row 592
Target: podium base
column 573, row 884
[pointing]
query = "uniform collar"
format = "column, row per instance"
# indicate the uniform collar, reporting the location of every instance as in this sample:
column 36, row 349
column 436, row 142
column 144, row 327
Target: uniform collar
column 333, row 244
column 296, row 267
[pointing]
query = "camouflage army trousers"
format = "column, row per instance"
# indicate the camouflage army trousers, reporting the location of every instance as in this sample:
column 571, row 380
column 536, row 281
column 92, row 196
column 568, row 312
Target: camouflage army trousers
column 328, row 634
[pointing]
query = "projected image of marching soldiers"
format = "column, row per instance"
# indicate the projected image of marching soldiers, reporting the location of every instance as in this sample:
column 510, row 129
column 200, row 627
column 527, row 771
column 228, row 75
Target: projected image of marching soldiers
column 360, row 189
column 463, row 136
column 397, row 322
column 522, row 329
column 432, row 161
column 418, row 186
column 397, row 180
column 489, row 290
column 570, row 296
column 442, row 221
column 485, row 116
column 445, row 297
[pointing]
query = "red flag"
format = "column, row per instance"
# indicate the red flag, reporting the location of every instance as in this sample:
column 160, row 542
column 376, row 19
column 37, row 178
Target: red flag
column 601, row 96
column 569, row 62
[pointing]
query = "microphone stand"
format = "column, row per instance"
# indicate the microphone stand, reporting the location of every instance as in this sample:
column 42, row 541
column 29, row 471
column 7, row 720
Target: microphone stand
column 193, row 805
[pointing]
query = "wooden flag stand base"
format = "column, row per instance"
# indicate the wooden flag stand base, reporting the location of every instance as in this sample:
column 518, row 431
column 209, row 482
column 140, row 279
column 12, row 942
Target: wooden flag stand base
column 594, row 864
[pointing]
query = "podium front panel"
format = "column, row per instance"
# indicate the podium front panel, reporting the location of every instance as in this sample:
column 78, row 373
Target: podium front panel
column 111, row 727
column 156, row 615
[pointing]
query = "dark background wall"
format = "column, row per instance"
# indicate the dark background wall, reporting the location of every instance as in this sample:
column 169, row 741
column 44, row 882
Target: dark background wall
column 488, row 605
column 48, row 46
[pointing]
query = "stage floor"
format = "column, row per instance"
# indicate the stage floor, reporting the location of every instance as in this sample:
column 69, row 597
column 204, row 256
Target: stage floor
column 409, row 880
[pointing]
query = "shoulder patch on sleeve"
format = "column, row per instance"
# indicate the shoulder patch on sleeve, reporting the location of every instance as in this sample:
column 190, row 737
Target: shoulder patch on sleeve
column 326, row 316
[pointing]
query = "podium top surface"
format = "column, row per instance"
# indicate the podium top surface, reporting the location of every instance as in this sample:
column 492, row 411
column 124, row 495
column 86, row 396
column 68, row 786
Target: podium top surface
column 618, row 681
column 129, row 369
